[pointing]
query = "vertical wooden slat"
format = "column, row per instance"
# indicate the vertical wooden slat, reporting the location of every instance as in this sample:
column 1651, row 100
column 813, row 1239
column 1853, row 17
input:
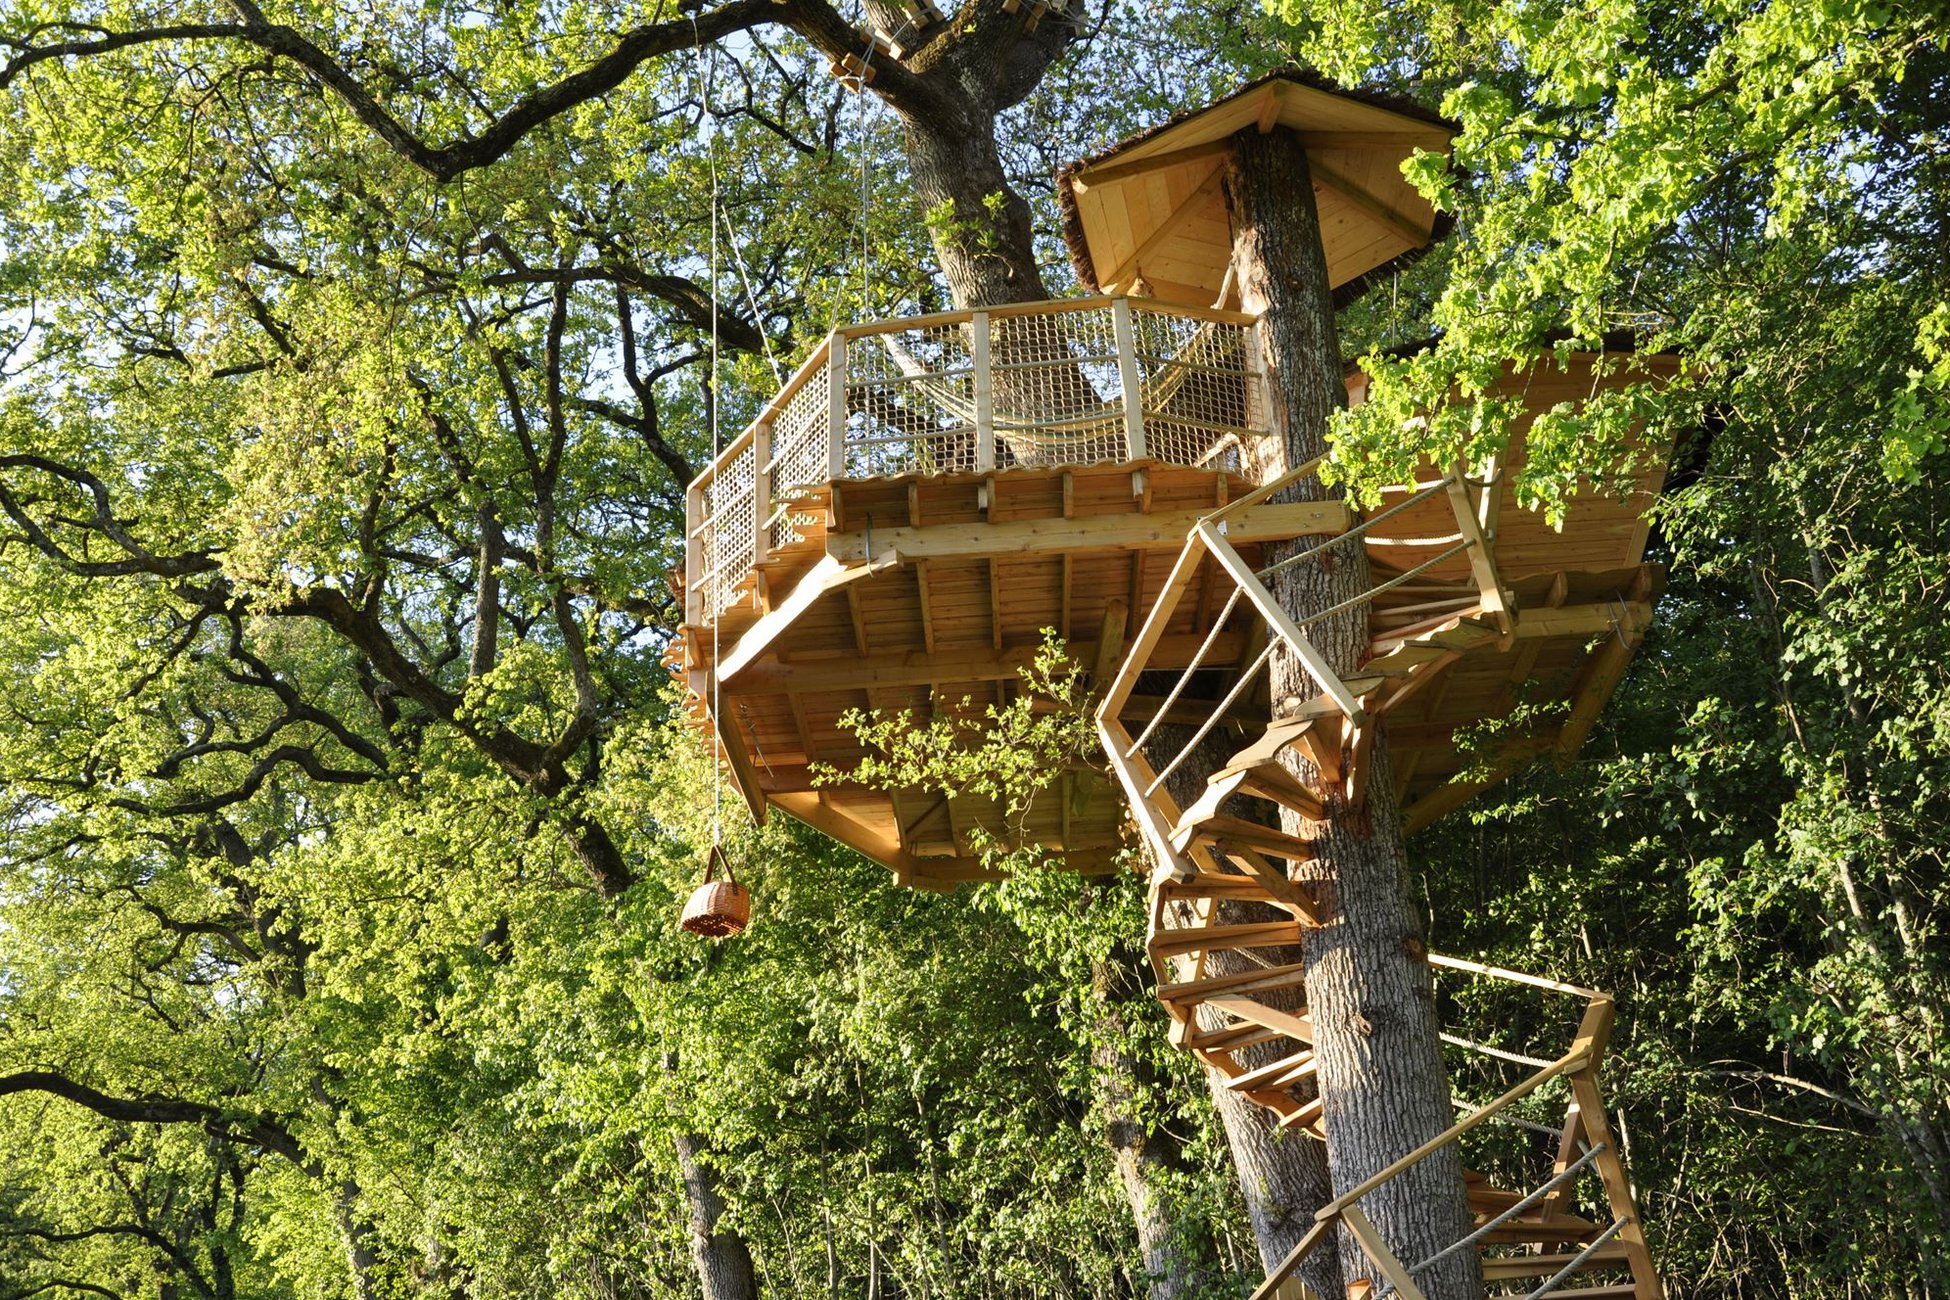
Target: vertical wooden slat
column 978, row 346
column 693, row 556
column 761, row 491
column 836, row 407
column 1125, row 334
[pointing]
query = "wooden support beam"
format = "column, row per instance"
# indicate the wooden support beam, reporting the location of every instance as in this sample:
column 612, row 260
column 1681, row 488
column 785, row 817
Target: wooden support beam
column 995, row 605
column 1600, row 677
column 918, row 668
column 745, row 776
column 1300, row 1028
column 927, row 609
column 1063, row 614
column 1618, row 1188
column 1495, row 599
column 1194, row 203
column 826, row 576
column 1377, row 1250
column 1162, row 530
column 1110, row 644
column 885, row 849
column 1395, row 222
column 1460, row 791
column 1090, row 176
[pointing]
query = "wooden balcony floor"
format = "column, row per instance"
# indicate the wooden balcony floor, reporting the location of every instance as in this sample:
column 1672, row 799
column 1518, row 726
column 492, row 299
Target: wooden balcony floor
column 918, row 593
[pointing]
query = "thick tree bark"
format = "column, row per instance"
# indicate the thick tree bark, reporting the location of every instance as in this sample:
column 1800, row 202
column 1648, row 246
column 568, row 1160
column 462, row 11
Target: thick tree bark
column 1383, row 1087
column 724, row 1264
column 1174, row 1264
column 979, row 224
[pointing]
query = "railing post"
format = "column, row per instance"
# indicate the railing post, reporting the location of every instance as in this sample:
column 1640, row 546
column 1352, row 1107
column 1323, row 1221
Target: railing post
column 761, row 491
column 978, row 348
column 836, row 411
column 1125, row 334
column 694, row 506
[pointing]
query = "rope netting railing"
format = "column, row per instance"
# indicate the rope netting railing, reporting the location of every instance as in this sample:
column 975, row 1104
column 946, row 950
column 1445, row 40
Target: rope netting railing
column 1032, row 385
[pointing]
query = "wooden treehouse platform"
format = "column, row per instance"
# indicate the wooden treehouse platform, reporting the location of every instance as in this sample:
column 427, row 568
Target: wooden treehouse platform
column 926, row 496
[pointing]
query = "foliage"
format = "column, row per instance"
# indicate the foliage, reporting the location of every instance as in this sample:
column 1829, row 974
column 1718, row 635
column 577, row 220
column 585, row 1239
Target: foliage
column 343, row 426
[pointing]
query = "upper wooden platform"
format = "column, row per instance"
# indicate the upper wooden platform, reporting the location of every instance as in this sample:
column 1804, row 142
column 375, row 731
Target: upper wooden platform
column 920, row 588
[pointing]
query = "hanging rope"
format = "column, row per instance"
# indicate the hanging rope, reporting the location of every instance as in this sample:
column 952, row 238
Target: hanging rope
column 710, row 124
column 866, row 164
column 751, row 300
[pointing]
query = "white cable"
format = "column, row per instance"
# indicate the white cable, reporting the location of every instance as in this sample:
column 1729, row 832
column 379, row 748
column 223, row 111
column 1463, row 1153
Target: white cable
column 711, row 392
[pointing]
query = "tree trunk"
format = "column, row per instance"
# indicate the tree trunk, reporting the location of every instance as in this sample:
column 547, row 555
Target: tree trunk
column 724, row 1265
column 1174, row 1265
column 980, row 226
column 1382, row 1083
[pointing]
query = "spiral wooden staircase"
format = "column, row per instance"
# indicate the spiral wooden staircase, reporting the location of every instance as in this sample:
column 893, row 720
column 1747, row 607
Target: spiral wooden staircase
column 1228, row 900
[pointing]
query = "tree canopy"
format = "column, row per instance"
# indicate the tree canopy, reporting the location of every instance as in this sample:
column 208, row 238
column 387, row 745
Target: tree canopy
column 353, row 359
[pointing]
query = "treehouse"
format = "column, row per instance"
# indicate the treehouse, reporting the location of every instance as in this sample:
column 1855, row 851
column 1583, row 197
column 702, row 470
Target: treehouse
column 925, row 497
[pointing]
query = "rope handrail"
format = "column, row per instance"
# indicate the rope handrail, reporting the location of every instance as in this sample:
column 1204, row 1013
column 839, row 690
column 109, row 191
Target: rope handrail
column 1355, row 531
column 1232, row 696
column 1211, row 638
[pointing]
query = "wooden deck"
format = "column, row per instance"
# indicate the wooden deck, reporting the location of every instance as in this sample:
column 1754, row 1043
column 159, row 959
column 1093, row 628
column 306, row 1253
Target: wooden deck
column 918, row 591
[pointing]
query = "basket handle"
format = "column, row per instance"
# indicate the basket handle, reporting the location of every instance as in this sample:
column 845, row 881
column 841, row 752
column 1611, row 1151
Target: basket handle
column 715, row 859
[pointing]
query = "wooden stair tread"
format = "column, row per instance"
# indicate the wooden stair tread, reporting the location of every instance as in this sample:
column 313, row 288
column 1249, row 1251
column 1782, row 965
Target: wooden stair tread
column 1274, row 782
column 1257, row 934
column 1591, row 1292
column 1206, row 884
column 1293, row 1024
column 1500, row 1268
column 1276, row 1075
column 1306, row 1117
column 1243, row 982
column 1264, row 838
column 1560, row 1228
column 1275, row 738
column 1223, row 1042
column 1217, row 790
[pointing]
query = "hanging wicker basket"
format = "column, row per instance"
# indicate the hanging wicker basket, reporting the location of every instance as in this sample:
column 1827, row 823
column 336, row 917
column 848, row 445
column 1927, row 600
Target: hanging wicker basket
column 718, row 909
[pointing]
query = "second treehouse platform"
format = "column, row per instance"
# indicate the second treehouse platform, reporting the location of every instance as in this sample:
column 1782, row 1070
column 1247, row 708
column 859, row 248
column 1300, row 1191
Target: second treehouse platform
column 926, row 496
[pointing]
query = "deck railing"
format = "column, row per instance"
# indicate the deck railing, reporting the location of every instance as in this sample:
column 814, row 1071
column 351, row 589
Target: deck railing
column 1084, row 382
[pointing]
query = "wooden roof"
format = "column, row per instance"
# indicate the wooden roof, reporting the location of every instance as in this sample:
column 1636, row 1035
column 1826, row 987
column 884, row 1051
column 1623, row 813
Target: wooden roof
column 1151, row 210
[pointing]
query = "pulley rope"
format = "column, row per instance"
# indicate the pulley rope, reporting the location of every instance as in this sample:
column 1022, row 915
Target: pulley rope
column 710, row 122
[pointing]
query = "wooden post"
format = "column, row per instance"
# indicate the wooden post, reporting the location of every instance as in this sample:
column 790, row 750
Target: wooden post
column 836, row 407
column 694, row 506
column 978, row 346
column 1125, row 334
column 1390, row 1267
column 761, row 491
